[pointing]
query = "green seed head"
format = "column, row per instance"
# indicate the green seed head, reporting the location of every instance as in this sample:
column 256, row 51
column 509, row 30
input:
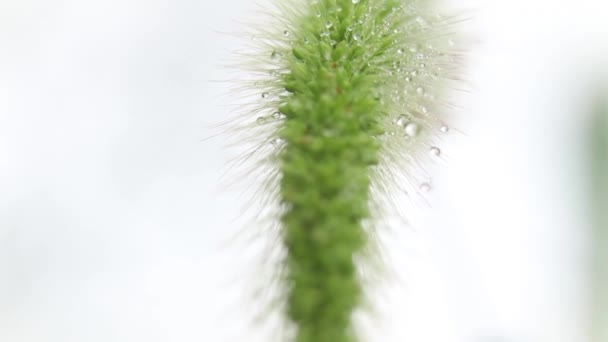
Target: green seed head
column 348, row 98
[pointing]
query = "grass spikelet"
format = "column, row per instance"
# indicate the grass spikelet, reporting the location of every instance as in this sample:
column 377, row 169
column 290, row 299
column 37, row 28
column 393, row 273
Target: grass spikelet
column 346, row 98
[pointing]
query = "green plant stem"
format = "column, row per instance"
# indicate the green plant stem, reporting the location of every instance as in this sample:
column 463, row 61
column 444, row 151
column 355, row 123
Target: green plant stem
column 331, row 122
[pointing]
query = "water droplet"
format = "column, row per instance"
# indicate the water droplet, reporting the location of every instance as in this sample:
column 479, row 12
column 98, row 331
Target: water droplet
column 356, row 37
column 265, row 95
column 400, row 51
column 399, row 121
column 412, row 129
column 277, row 115
column 408, row 79
column 414, row 73
column 261, row 120
column 424, row 109
column 444, row 128
column 420, row 91
column 275, row 54
column 435, row 151
column 286, row 33
column 425, row 187
column 276, row 141
column 355, row 1
column 332, row 42
column 329, row 24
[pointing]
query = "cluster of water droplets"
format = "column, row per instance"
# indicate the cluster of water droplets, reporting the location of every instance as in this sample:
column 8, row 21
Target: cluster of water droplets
column 412, row 82
column 415, row 76
column 412, row 73
column 274, row 116
column 409, row 127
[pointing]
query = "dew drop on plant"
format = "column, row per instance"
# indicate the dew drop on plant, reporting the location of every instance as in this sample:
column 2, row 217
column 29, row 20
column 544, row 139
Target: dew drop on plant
column 356, row 37
column 444, row 128
column 435, row 151
column 286, row 33
column 261, row 120
column 355, row 1
column 265, row 95
column 276, row 141
column 408, row 79
column 399, row 121
column 329, row 24
column 277, row 115
column 424, row 109
column 425, row 187
column 412, row 129
column 400, row 51
column 420, row 91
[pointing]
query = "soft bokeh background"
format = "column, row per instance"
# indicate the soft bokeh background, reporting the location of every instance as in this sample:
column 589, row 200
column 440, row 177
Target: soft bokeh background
column 113, row 224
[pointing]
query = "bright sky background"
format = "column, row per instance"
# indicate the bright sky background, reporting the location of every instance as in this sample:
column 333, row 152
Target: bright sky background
column 113, row 223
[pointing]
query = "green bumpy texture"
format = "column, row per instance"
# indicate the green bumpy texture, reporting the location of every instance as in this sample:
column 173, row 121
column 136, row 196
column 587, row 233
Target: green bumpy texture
column 331, row 124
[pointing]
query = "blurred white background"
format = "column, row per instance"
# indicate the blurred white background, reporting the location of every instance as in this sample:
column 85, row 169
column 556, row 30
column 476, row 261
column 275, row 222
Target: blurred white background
column 112, row 222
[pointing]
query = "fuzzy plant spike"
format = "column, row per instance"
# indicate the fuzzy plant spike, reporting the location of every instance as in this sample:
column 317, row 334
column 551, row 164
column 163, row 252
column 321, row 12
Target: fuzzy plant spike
column 346, row 110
